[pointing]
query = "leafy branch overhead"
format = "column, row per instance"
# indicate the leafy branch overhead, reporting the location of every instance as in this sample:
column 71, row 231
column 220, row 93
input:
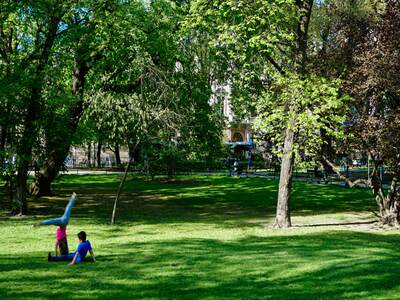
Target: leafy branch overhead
column 314, row 104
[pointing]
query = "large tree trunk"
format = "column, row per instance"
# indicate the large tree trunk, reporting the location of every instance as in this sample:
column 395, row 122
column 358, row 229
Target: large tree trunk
column 282, row 219
column 389, row 203
column 3, row 139
column 305, row 9
column 52, row 166
column 134, row 152
column 117, row 156
column 89, row 155
column 98, row 155
column 24, row 151
column 48, row 172
column 26, row 143
column 20, row 204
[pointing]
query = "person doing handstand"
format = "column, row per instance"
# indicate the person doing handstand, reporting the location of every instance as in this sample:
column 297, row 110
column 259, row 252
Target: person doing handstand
column 61, row 244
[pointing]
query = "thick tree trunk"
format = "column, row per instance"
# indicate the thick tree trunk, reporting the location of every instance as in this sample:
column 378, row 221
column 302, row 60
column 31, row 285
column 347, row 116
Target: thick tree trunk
column 24, row 151
column 94, row 148
column 131, row 151
column 98, row 155
column 25, row 148
column 42, row 185
column 20, row 204
column 117, row 156
column 89, row 155
column 56, row 158
column 24, row 159
column 389, row 204
column 28, row 136
column 6, row 113
column 48, row 172
column 3, row 139
column 3, row 134
column 305, row 9
column 282, row 219
column 134, row 151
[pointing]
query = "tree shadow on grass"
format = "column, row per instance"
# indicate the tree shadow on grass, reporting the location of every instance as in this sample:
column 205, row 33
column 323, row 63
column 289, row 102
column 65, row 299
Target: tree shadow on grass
column 219, row 200
column 341, row 265
column 335, row 224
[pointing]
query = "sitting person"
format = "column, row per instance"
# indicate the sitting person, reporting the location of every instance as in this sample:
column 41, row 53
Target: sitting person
column 80, row 253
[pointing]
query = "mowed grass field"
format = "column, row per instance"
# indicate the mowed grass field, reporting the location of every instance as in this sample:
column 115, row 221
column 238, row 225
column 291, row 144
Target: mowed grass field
column 202, row 238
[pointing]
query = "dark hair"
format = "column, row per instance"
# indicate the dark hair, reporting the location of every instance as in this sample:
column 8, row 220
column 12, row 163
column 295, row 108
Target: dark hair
column 82, row 236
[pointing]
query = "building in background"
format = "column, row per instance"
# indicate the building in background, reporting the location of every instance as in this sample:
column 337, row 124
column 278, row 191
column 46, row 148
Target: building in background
column 237, row 133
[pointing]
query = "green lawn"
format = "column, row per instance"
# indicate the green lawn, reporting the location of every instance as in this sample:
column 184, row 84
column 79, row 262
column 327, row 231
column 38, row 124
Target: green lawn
column 203, row 238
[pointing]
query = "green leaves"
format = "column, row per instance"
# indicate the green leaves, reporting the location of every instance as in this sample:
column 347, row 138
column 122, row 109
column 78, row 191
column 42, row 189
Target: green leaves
column 312, row 104
column 242, row 27
column 252, row 37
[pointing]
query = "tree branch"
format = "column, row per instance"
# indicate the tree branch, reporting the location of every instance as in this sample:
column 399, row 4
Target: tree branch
column 349, row 182
column 276, row 65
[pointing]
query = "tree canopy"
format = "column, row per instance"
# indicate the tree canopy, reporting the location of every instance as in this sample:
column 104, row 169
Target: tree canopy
column 318, row 78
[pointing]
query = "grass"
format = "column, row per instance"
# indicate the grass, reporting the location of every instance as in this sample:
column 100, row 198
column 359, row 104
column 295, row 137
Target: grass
column 203, row 238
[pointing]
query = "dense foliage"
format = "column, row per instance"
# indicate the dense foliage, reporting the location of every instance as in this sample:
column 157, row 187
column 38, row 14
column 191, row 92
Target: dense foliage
column 146, row 75
column 122, row 65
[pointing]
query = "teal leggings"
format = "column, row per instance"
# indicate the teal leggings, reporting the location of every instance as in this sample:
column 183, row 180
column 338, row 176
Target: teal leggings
column 63, row 221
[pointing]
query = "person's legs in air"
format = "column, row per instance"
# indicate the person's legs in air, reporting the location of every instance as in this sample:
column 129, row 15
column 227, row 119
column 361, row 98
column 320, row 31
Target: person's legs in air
column 67, row 212
column 56, row 221
column 63, row 221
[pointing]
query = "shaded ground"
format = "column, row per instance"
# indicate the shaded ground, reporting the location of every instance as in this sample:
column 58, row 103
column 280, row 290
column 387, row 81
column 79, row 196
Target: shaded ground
column 205, row 239
column 214, row 199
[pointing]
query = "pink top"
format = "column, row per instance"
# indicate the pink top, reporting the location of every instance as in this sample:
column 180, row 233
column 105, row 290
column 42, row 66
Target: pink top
column 61, row 232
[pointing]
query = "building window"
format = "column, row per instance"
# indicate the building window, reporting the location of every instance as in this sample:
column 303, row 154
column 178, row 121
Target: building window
column 237, row 137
